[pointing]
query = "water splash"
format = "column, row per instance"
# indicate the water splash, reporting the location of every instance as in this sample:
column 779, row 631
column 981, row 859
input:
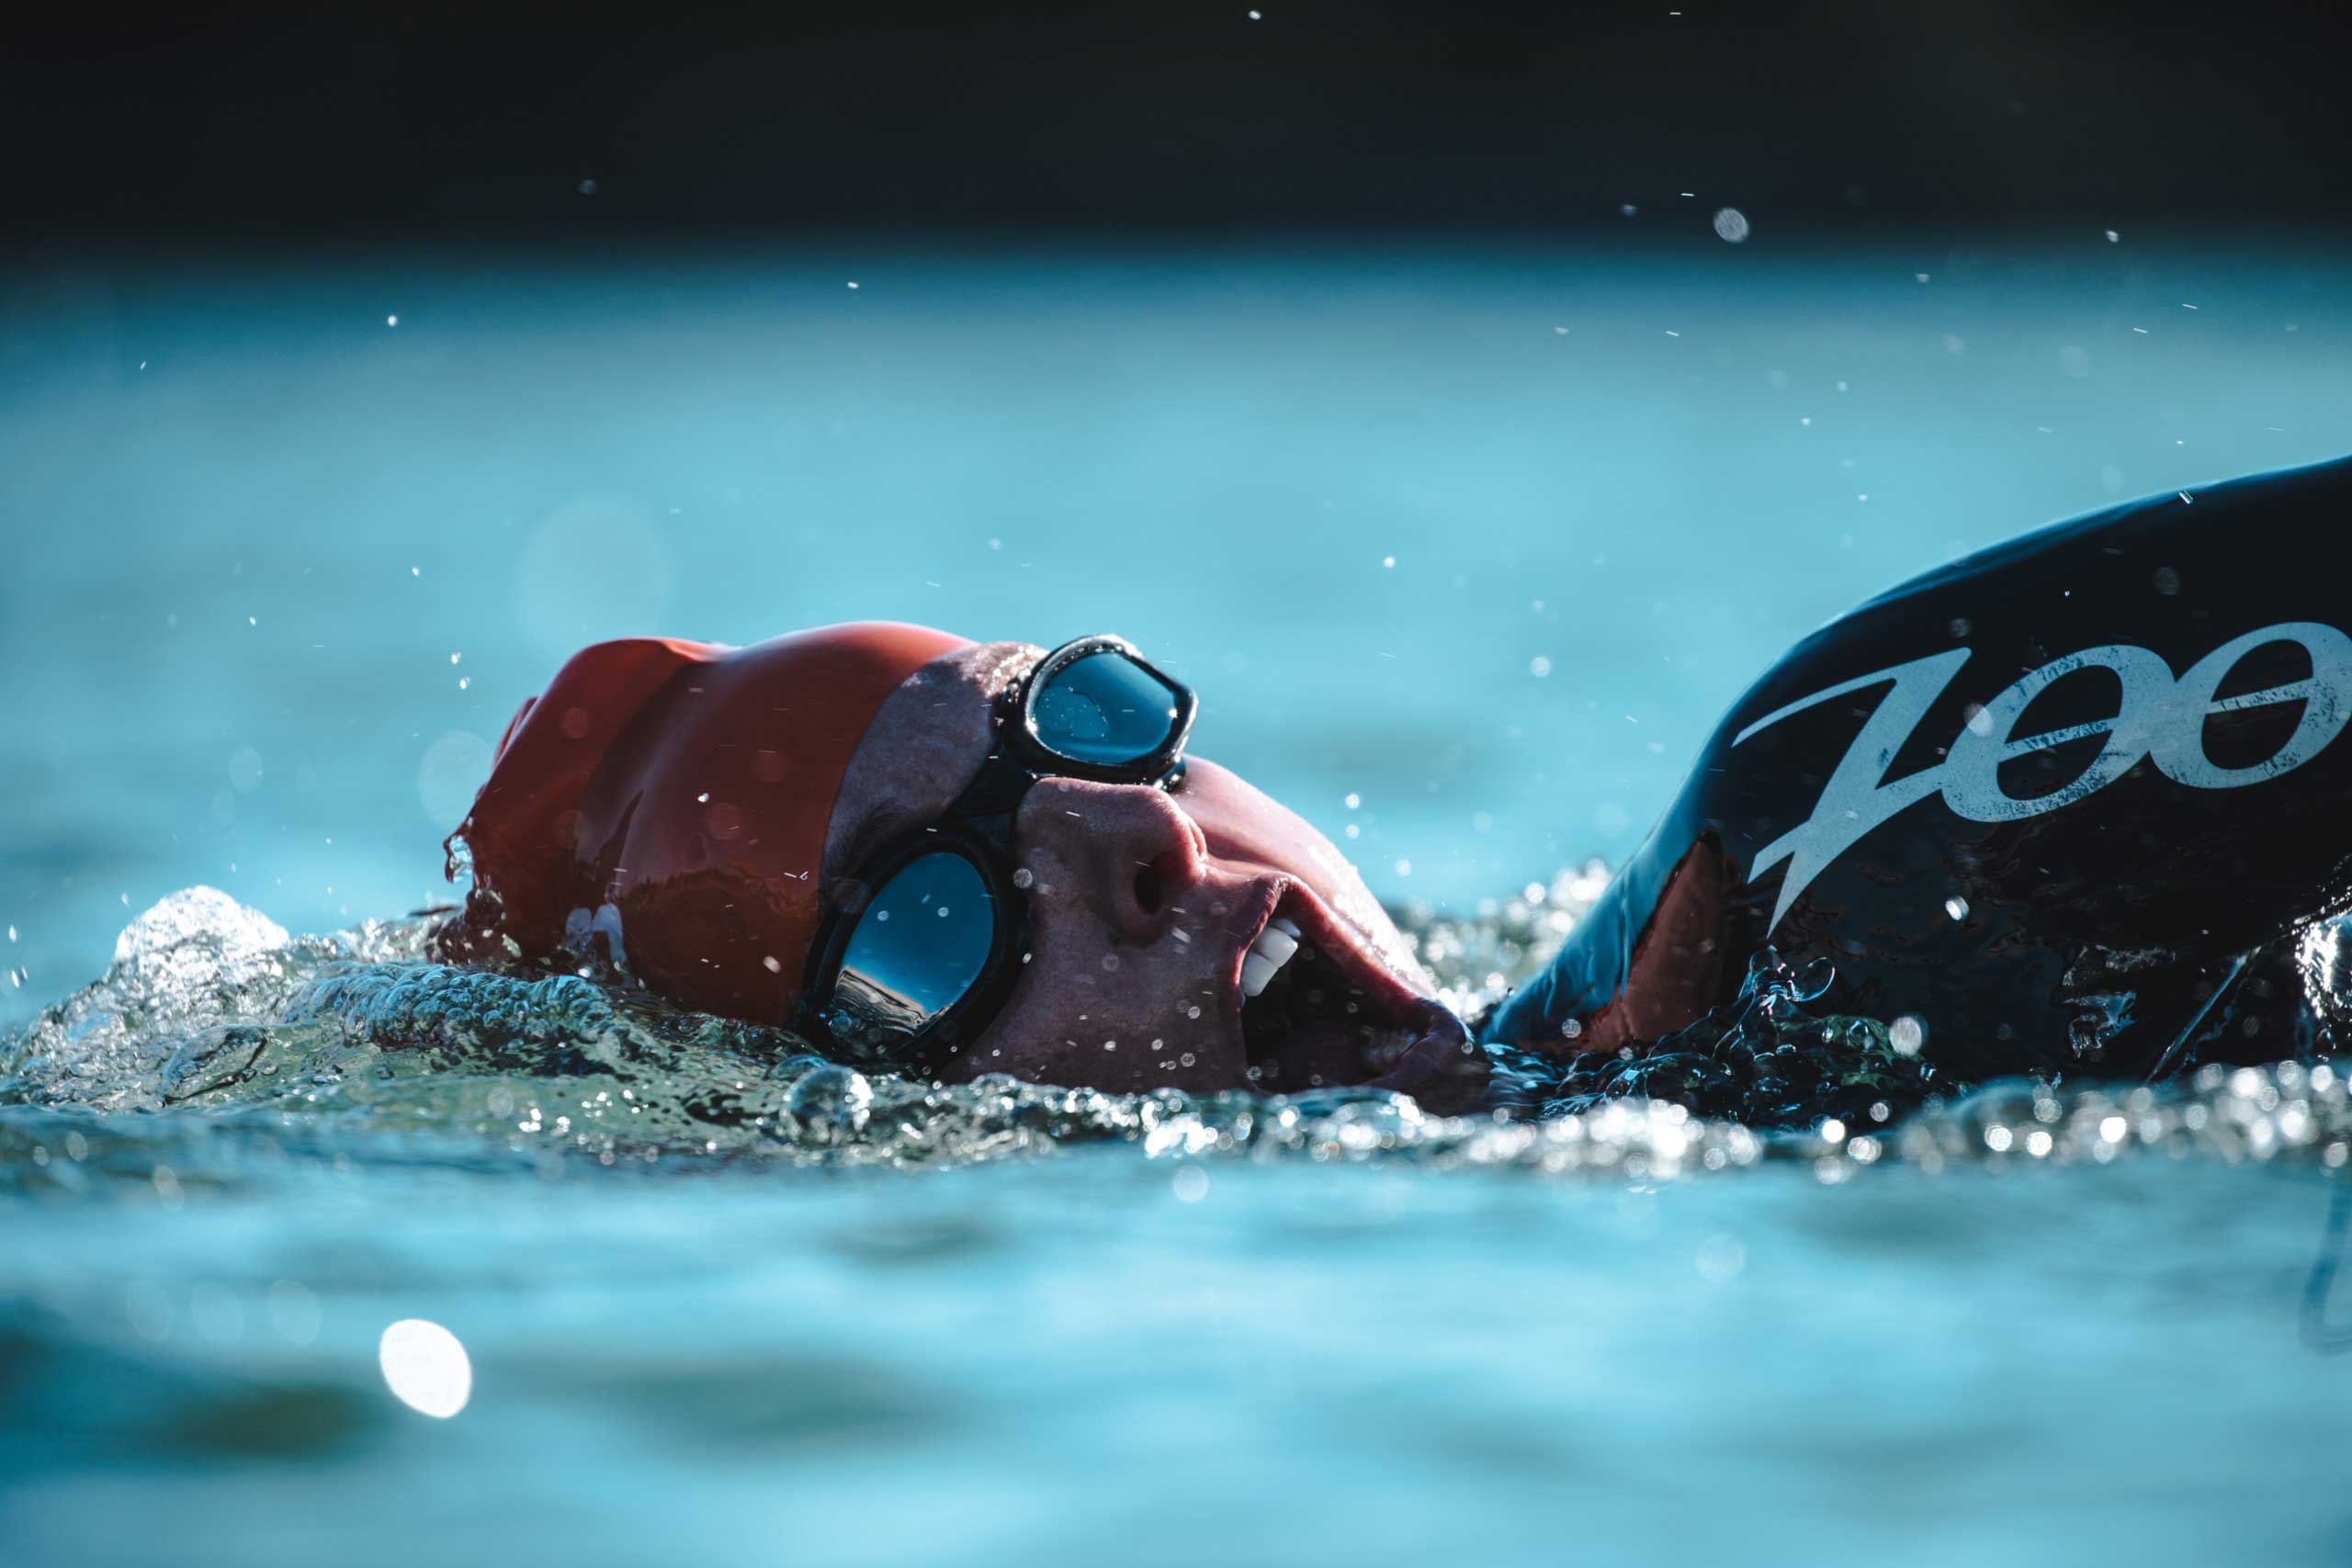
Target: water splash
column 1762, row 1060
column 354, row 1048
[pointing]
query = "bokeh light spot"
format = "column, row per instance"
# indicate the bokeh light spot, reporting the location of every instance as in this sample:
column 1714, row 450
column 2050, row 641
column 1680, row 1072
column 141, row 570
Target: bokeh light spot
column 425, row 1367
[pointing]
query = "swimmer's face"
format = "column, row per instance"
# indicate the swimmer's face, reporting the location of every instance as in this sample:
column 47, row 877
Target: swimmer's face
column 1143, row 905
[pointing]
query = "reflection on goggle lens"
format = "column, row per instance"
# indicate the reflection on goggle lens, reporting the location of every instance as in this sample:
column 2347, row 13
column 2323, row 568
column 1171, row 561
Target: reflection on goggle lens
column 918, row 947
column 1103, row 708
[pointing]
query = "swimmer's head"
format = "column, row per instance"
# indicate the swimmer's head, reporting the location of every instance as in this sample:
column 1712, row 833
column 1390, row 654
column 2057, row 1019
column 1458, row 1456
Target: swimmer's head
column 719, row 808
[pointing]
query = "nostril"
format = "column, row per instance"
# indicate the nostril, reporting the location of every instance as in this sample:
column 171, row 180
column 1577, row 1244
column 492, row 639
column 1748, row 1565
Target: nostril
column 1149, row 890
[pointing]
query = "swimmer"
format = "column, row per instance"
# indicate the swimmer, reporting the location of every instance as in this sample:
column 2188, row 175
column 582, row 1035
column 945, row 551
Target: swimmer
column 949, row 858
column 2063, row 802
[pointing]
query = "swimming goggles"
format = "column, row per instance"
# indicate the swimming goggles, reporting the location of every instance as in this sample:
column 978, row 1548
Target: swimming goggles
column 922, row 942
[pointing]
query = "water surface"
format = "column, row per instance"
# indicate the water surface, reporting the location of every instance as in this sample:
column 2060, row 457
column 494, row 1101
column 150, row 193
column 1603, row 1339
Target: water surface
column 1465, row 548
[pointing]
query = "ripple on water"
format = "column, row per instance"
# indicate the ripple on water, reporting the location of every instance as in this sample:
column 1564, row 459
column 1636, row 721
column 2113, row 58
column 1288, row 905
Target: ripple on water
column 248, row 1047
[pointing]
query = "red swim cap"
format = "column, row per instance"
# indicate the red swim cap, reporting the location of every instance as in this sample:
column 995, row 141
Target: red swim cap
column 689, row 786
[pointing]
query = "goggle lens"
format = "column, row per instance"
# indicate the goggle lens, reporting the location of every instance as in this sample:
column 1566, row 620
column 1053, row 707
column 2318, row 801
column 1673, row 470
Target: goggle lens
column 916, row 949
column 1104, row 708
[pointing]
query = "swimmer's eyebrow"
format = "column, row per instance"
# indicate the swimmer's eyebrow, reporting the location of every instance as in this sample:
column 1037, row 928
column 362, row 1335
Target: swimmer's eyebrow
column 881, row 825
column 886, row 821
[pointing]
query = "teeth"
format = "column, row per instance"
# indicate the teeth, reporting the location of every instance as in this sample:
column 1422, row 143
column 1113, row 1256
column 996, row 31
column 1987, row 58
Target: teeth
column 1266, row 956
column 1256, row 970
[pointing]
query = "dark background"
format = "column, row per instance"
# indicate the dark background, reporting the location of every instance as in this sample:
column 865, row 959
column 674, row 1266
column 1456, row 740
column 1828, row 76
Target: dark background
column 259, row 123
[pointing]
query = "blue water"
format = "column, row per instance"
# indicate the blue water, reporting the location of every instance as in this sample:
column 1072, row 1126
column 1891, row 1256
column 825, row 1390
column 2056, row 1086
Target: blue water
column 278, row 566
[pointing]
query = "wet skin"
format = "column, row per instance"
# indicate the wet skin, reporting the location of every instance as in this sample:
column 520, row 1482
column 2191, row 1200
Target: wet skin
column 1142, row 905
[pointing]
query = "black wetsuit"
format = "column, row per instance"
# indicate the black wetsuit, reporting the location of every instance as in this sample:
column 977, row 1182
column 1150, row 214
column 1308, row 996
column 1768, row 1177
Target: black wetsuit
column 2065, row 802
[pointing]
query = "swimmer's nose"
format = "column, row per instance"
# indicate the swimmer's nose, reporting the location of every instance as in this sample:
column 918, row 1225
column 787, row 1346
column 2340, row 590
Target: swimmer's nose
column 1127, row 850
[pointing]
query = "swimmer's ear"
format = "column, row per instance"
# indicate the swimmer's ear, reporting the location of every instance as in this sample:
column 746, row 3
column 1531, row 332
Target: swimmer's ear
column 520, row 830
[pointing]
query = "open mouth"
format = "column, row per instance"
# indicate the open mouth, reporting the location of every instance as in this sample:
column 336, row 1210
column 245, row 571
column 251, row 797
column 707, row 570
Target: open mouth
column 1319, row 1011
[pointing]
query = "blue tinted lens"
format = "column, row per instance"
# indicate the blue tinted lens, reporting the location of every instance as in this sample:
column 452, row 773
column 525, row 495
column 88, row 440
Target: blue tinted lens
column 919, row 945
column 1103, row 708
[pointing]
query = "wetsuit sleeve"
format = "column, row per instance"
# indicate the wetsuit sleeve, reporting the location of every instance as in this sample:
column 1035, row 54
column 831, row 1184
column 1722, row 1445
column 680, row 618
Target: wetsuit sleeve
column 2051, row 799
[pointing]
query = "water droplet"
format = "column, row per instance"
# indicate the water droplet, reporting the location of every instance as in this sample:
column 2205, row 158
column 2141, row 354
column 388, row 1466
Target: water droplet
column 830, row 1104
